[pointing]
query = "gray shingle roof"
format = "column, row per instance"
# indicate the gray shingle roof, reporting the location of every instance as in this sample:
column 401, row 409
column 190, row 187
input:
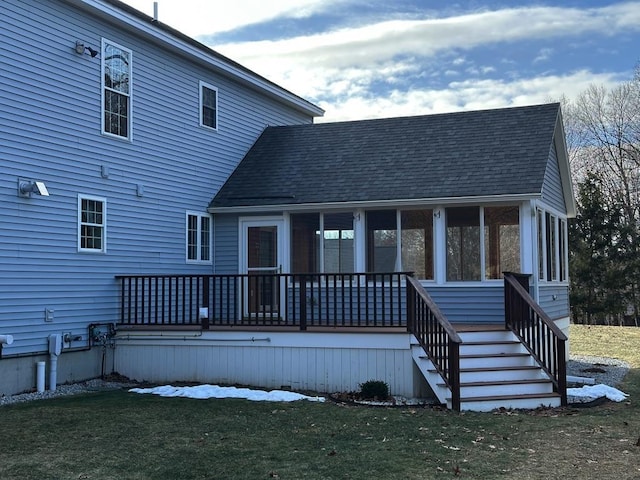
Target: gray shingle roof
column 478, row 153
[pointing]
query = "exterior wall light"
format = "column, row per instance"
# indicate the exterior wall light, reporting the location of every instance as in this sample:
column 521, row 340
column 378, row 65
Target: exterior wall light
column 28, row 187
column 80, row 48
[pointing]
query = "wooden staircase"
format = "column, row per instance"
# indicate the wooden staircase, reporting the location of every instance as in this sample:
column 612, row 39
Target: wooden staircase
column 496, row 371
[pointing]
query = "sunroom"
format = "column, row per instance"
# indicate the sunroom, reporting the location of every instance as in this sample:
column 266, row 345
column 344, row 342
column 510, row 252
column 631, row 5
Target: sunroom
column 417, row 228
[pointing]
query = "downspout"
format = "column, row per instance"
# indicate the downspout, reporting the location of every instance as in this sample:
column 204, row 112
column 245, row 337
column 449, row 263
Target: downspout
column 55, row 348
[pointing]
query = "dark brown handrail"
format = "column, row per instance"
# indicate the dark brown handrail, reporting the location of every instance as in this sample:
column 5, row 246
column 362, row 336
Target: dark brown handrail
column 537, row 332
column 436, row 336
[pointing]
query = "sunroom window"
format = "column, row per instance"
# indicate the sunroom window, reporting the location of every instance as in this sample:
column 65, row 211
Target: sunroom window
column 322, row 243
column 411, row 240
column 305, row 243
column 501, row 241
column 463, row 243
column 337, row 243
column 417, row 242
column 382, row 241
column 498, row 249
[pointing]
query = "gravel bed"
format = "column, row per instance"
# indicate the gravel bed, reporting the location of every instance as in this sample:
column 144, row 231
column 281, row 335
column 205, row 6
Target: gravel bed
column 94, row 385
column 604, row 370
column 609, row 371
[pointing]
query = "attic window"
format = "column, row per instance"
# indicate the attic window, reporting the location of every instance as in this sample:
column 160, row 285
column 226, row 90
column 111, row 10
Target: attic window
column 208, row 106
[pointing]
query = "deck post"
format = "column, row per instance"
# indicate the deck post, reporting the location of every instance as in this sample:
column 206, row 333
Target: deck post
column 562, row 371
column 205, row 302
column 454, row 374
column 303, row 302
column 411, row 309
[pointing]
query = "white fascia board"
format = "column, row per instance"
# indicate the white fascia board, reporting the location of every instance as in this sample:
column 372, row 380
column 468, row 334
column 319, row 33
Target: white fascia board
column 399, row 203
column 166, row 39
column 565, row 170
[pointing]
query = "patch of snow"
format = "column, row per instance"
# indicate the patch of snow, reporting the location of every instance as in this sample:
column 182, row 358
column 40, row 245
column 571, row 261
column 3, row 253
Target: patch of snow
column 214, row 391
column 593, row 392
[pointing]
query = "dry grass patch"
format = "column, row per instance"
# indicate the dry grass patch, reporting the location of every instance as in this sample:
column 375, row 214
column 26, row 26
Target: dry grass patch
column 602, row 341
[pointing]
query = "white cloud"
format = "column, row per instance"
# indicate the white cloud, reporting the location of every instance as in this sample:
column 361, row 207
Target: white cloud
column 426, row 38
column 469, row 94
column 340, row 69
column 543, row 54
column 206, row 17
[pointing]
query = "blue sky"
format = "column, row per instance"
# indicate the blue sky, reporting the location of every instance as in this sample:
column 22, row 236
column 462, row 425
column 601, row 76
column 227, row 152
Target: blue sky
column 369, row 59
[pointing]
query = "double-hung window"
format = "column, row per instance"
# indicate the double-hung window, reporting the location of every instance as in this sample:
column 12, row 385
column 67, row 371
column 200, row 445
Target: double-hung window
column 208, row 106
column 116, row 90
column 198, row 238
column 92, row 224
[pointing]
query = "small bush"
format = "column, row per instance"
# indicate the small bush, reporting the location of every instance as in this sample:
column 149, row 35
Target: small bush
column 374, row 389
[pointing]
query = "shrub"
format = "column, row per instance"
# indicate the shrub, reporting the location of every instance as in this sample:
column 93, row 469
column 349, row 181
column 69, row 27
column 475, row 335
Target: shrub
column 374, row 389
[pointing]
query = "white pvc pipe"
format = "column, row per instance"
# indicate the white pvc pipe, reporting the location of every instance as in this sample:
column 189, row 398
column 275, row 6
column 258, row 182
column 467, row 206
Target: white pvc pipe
column 40, row 376
column 6, row 339
column 583, row 380
column 53, row 372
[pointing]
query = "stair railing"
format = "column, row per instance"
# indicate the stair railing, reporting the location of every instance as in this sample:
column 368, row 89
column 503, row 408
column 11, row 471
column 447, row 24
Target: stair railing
column 537, row 332
column 436, row 336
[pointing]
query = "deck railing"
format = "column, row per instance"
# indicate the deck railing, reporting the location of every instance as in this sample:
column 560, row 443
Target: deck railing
column 537, row 332
column 436, row 336
column 297, row 301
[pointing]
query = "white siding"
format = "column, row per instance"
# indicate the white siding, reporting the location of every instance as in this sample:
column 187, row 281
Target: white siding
column 300, row 361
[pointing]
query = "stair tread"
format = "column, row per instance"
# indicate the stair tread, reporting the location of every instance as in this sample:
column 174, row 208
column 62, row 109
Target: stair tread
column 523, row 396
column 492, row 369
column 490, row 342
column 496, row 355
column 502, row 382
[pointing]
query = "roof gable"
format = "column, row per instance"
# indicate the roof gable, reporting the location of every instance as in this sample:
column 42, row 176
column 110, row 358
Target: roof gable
column 466, row 154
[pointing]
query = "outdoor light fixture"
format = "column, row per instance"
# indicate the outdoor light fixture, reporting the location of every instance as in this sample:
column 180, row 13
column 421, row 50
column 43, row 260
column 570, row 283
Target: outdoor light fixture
column 27, row 187
column 80, row 48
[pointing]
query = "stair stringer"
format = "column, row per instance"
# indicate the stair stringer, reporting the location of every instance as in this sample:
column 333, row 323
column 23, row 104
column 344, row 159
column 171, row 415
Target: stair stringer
column 429, row 372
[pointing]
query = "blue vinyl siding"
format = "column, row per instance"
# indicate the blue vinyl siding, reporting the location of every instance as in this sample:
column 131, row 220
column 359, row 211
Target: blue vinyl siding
column 225, row 244
column 557, row 307
column 469, row 304
column 552, row 193
column 50, row 111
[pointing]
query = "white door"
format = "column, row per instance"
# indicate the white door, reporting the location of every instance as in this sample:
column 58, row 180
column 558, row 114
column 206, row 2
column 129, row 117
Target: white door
column 262, row 253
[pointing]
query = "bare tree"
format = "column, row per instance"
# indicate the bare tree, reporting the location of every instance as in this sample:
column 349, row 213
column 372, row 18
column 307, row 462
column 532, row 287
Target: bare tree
column 603, row 136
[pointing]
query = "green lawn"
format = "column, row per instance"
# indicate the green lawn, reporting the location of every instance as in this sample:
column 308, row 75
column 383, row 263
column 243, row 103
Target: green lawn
column 129, row 436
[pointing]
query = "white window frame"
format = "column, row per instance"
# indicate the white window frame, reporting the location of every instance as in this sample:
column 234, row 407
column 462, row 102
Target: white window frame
column 202, row 86
column 103, row 225
column 129, row 95
column 483, row 253
column 558, row 224
column 199, row 259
